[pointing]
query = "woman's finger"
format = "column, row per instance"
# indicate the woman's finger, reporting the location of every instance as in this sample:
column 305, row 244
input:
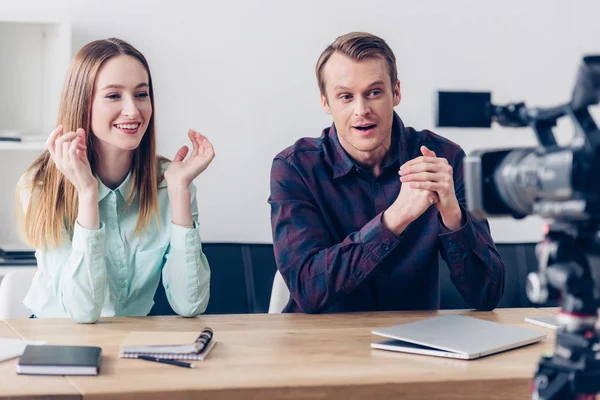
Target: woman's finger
column 200, row 136
column 80, row 132
column 192, row 136
column 73, row 146
column 195, row 144
column 205, row 145
column 58, row 149
column 58, row 143
column 52, row 138
column 65, row 151
column 210, row 148
column 180, row 156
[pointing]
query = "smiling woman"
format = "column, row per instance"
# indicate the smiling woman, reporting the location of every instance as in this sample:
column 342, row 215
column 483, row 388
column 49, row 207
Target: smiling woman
column 121, row 111
column 100, row 196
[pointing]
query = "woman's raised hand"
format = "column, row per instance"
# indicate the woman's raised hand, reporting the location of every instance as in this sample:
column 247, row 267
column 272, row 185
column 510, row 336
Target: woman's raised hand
column 69, row 153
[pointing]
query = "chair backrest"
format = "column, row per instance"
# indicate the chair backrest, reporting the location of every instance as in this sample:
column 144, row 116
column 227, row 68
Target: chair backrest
column 13, row 289
column 280, row 295
column 240, row 280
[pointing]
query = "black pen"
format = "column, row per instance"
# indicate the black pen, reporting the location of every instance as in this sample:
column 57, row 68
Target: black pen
column 167, row 361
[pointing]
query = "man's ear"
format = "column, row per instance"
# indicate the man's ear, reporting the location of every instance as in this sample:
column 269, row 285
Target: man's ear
column 324, row 104
column 397, row 93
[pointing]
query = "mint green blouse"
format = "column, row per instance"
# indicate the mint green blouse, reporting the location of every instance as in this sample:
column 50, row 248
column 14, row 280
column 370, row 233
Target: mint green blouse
column 107, row 272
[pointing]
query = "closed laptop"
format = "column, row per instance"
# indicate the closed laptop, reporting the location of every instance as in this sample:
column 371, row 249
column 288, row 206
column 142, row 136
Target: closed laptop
column 455, row 336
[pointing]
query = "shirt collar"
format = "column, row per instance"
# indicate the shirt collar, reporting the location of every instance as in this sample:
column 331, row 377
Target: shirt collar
column 124, row 188
column 343, row 163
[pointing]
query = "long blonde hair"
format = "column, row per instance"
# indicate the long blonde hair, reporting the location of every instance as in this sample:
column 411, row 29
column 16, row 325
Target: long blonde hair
column 53, row 200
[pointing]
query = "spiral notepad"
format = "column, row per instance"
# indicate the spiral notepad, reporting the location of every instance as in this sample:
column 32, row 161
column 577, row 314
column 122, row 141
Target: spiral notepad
column 168, row 345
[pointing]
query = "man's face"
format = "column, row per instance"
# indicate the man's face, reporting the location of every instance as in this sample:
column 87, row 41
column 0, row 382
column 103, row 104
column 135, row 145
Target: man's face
column 361, row 100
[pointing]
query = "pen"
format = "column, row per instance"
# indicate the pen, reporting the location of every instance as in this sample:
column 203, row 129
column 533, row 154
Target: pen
column 166, row 361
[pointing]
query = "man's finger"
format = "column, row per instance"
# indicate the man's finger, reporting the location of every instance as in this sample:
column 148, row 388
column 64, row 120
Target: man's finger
column 423, row 167
column 431, row 186
column 422, row 159
column 426, row 152
column 422, row 177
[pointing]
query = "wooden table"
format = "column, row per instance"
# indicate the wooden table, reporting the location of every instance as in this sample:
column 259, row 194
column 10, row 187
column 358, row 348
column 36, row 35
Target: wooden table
column 289, row 356
column 13, row 385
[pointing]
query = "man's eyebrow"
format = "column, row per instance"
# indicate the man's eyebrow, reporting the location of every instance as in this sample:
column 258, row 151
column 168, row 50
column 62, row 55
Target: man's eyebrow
column 114, row 86
column 376, row 83
column 340, row 87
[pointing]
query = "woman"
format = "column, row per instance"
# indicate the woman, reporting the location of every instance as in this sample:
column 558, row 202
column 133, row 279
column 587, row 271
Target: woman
column 105, row 213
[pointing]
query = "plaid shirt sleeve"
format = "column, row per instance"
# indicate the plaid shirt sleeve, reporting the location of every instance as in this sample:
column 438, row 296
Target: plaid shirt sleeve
column 317, row 271
column 475, row 265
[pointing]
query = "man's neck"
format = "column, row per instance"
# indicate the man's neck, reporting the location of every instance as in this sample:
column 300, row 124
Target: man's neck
column 372, row 161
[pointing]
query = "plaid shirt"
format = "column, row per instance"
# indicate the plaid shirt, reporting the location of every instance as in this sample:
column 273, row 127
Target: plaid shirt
column 335, row 254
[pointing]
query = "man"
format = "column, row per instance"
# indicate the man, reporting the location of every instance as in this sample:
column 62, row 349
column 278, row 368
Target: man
column 360, row 213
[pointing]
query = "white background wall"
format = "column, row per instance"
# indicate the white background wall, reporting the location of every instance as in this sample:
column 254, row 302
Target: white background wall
column 242, row 72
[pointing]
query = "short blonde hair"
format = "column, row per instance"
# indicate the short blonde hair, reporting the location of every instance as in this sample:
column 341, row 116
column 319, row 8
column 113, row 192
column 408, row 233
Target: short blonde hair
column 358, row 46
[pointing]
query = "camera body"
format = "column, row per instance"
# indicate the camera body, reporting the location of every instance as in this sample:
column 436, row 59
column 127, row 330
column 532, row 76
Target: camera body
column 552, row 182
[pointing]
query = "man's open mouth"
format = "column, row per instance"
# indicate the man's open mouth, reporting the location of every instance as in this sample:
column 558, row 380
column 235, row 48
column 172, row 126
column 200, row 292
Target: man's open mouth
column 365, row 127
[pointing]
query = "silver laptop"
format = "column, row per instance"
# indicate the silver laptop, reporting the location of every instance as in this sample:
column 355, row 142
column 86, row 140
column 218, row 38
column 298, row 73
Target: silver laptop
column 455, row 336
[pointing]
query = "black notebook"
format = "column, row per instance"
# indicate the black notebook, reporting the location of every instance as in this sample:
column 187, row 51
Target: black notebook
column 60, row 360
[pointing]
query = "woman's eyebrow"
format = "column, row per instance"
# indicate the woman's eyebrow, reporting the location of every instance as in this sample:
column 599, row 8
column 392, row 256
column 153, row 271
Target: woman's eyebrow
column 115, row 86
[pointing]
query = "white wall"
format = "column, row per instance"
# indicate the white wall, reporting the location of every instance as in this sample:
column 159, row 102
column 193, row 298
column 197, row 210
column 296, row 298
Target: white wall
column 242, row 72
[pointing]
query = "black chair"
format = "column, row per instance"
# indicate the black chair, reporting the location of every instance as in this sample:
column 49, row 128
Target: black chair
column 263, row 268
column 228, row 289
column 228, row 284
column 161, row 303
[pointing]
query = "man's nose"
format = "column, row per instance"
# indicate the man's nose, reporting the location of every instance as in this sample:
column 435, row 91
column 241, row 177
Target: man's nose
column 362, row 107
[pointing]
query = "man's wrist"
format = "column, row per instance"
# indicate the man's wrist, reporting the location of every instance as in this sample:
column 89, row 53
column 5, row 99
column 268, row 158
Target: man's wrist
column 453, row 218
column 396, row 221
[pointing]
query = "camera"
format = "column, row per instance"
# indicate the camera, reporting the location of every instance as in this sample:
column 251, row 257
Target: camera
column 562, row 185
column 549, row 181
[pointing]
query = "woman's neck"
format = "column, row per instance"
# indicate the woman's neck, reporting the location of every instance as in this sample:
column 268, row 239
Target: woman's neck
column 113, row 165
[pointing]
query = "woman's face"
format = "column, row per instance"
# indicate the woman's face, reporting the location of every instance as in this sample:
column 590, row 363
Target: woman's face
column 121, row 107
